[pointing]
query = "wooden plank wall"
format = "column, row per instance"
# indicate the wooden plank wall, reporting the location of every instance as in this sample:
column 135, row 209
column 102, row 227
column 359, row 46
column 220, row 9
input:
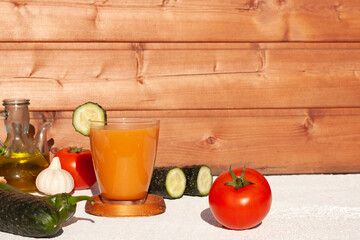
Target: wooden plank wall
column 274, row 84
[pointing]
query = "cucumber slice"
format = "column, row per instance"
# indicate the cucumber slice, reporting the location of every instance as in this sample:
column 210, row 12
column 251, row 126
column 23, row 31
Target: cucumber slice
column 199, row 179
column 85, row 112
column 168, row 182
column 175, row 182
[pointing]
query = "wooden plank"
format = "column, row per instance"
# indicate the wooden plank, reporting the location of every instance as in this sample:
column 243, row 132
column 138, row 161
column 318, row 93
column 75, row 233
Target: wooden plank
column 124, row 61
column 175, row 45
column 181, row 21
column 274, row 141
column 228, row 91
column 181, row 76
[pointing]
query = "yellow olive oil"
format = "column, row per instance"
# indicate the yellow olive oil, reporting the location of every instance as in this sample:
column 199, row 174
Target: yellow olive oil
column 21, row 169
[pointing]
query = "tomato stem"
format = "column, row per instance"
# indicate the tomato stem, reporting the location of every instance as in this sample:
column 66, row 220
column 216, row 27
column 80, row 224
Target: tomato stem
column 238, row 182
column 76, row 149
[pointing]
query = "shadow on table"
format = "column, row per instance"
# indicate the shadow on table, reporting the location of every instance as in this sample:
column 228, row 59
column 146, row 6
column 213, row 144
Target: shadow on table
column 67, row 223
column 76, row 219
column 56, row 235
column 208, row 217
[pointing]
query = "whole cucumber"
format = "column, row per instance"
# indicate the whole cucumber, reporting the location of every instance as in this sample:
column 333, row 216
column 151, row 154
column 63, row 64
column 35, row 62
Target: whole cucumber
column 27, row 215
column 63, row 202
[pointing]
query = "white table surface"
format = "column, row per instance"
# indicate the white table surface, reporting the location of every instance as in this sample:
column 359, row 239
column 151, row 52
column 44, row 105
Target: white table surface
column 303, row 207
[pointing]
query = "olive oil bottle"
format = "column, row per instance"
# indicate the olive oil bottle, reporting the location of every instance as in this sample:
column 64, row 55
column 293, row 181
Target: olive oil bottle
column 20, row 160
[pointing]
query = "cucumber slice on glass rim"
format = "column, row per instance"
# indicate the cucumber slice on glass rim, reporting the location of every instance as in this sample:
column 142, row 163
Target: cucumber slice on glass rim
column 84, row 113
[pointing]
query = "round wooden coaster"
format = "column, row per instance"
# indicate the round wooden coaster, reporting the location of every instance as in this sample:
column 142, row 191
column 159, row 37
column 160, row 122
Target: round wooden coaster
column 152, row 206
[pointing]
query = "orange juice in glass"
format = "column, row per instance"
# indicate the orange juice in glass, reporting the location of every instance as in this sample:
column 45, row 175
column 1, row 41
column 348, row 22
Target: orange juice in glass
column 124, row 152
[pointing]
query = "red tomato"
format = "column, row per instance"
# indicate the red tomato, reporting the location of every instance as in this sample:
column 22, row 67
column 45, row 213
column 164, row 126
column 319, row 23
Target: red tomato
column 78, row 163
column 241, row 208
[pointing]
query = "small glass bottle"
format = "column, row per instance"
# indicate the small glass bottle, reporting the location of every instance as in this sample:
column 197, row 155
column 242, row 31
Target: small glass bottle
column 20, row 161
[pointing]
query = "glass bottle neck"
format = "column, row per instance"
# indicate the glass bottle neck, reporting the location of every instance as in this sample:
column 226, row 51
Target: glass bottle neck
column 17, row 112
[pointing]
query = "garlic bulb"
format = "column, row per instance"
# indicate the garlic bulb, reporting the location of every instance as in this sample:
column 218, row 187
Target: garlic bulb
column 54, row 180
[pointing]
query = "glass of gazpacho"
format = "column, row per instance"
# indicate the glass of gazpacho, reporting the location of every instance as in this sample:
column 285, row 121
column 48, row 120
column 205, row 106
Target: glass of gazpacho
column 124, row 152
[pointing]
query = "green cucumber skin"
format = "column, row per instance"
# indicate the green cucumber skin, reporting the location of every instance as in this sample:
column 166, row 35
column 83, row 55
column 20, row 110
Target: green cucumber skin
column 28, row 216
column 191, row 174
column 157, row 184
column 63, row 202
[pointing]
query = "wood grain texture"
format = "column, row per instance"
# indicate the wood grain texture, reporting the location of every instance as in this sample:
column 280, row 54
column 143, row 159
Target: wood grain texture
column 273, row 84
column 122, row 76
column 274, row 141
column 180, row 21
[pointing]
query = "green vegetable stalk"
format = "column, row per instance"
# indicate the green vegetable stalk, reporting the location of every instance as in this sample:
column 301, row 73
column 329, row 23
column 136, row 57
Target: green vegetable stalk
column 66, row 204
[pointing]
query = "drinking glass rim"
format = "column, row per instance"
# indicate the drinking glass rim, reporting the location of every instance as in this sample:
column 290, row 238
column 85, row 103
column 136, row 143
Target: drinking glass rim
column 128, row 120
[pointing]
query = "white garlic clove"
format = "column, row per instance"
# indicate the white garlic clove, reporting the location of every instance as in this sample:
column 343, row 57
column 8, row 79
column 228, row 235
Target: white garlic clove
column 54, row 180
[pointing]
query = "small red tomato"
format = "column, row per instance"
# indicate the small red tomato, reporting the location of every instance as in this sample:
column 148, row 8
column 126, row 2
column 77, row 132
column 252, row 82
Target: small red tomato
column 240, row 199
column 78, row 163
